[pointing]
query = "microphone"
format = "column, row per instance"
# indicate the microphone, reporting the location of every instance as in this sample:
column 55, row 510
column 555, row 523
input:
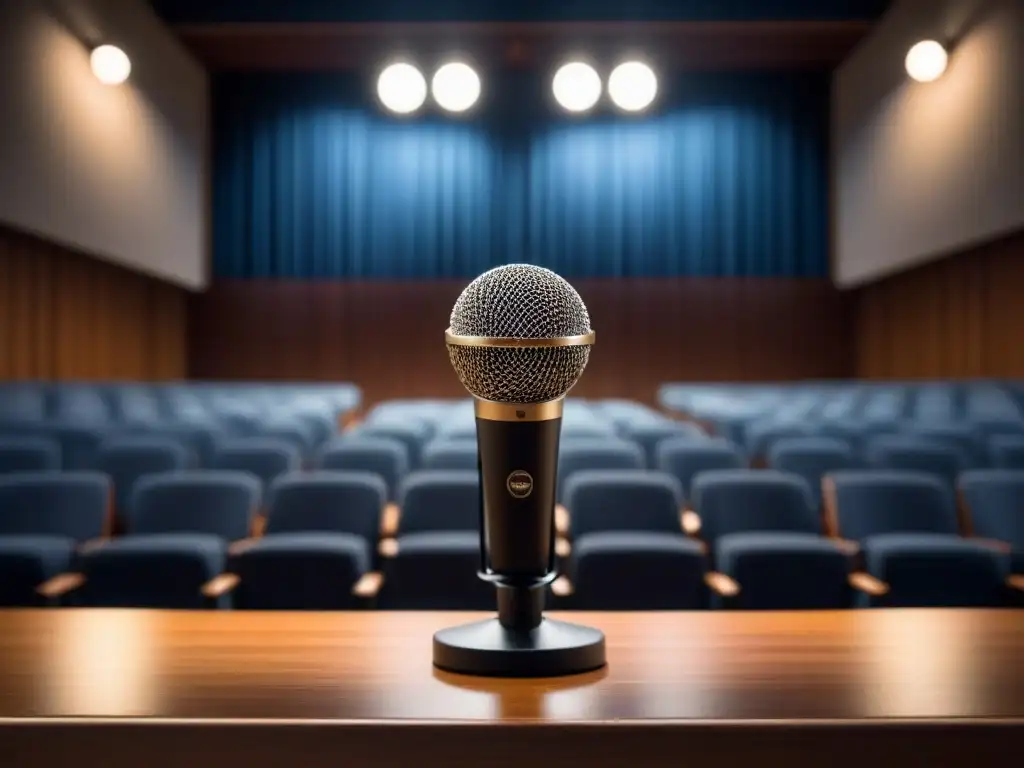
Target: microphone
column 519, row 339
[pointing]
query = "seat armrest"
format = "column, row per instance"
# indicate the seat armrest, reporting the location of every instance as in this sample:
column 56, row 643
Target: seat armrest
column 1016, row 581
column 388, row 548
column 220, row 585
column 562, row 587
column 91, row 545
column 562, row 547
column 690, row 522
column 561, row 520
column 868, row 584
column 60, row 585
column 240, row 546
column 722, row 584
column 389, row 520
column 369, row 584
column 259, row 525
column 1003, row 547
column 847, row 546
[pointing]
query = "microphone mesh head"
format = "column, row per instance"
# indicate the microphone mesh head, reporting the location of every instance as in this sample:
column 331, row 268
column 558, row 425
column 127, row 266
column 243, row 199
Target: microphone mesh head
column 519, row 301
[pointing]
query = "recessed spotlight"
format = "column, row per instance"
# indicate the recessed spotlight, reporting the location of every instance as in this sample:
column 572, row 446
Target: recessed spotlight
column 632, row 86
column 456, row 87
column 926, row 61
column 110, row 64
column 576, row 86
column 402, row 88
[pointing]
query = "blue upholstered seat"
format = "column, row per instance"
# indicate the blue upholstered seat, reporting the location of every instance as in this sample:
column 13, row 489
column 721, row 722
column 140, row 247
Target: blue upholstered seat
column 264, row 457
column 127, row 459
column 450, row 454
column 28, row 453
column 994, row 500
column 811, row 458
column 622, row 500
column 685, row 458
column 440, row 500
column 385, row 457
column 648, row 434
column 576, row 455
column 436, row 571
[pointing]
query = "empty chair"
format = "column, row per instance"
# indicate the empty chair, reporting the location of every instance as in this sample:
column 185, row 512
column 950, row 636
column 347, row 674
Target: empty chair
column 684, row 458
column 317, row 543
column 28, row 454
column 292, row 431
column 439, row 500
column 578, row 455
column 263, row 457
column 44, row 517
column 411, row 433
column 1007, row 451
column 127, row 459
column 174, row 555
column 648, row 434
column 79, row 445
column 811, row 458
column 766, row 543
column 587, row 429
column 387, row 458
column 917, row 454
column 994, row 501
column 450, row 454
column 436, row 571
column 962, row 437
column 762, row 435
column 906, row 526
column 637, row 570
column 622, row 500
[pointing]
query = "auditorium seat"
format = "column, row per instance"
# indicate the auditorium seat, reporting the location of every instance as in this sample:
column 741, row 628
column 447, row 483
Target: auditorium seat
column 1007, row 451
column 289, row 430
column 576, row 455
column 450, row 454
column 439, row 500
column 906, row 525
column 603, row 500
column 914, row 453
column 994, row 503
column 174, row 553
column 28, row 454
column 762, row 435
column 317, row 544
column 684, row 458
column 44, row 516
column 811, row 458
column 960, row 436
column 79, row 444
column 436, row 571
column 387, row 458
column 648, row 434
column 127, row 459
column 766, row 542
column 412, row 434
column 263, row 457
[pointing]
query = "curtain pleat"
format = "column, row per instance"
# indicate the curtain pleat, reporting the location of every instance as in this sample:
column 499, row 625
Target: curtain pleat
column 728, row 176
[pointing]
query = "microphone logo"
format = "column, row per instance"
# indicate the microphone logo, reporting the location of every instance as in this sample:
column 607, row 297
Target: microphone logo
column 519, row 484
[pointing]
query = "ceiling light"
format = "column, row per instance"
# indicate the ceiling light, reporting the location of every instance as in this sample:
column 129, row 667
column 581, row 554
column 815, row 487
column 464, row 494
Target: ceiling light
column 110, row 64
column 402, row 88
column 456, row 87
column 926, row 61
column 632, row 86
column 577, row 86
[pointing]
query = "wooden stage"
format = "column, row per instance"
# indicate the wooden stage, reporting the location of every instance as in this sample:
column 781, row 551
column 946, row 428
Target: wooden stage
column 157, row 688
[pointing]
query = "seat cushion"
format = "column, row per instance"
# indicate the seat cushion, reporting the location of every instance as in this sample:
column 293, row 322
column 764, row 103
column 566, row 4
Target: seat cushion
column 783, row 571
column 301, row 571
column 28, row 561
column 638, row 570
column 928, row 569
column 436, row 571
column 163, row 570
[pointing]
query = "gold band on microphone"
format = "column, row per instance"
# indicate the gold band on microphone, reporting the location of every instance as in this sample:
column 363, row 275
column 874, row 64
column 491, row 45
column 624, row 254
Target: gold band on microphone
column 496, row 341
column 492, row 411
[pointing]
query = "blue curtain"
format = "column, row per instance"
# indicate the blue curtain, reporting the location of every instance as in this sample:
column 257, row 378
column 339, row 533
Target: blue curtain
column 727, row 177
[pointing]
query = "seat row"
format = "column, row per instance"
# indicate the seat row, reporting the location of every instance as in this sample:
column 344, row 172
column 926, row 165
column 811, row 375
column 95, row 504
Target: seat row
column 206, row 538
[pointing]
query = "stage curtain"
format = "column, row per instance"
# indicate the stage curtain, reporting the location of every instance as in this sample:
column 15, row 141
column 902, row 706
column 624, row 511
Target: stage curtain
column 727, row 176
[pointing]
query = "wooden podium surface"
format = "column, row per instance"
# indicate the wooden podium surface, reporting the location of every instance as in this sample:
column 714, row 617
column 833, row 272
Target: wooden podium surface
column 152, row 688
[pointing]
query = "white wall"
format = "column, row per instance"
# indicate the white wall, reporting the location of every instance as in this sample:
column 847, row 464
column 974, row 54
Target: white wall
column 924, row 170
column 116, row 171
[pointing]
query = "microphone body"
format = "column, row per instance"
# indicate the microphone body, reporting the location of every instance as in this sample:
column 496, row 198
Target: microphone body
column 519, row 339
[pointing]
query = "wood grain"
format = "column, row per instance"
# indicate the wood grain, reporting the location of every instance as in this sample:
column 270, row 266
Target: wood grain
column 959, row 317
column 66, row 315
column 648, row 332
column 359, row 689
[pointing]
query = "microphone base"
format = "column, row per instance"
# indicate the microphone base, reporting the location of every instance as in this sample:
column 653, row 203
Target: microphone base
column 489, row 649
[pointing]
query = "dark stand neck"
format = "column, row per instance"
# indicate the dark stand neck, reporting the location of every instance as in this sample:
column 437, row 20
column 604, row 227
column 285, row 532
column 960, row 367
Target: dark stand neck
column 520, row 608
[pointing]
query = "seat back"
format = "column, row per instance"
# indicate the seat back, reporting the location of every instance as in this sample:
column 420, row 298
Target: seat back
column 811, row 458
column 262, row 457
column 995, row 500
column 450, row 454
column 387, row 458
column 436, row 571
column 127, row 459
column 1007, row 451
column 748, row 500
column 222, row 503
column 440, row 500
column 649, row 434
column 28, row 454
column 871, row 502
column 329, row 501
column 623, row 500
column 580, row 455
column 412, row 434
column 74, row 505
column 684, row 459
column 912, row 453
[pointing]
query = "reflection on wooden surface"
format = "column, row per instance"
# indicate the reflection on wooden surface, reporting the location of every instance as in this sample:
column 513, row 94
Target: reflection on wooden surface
column 369, row 666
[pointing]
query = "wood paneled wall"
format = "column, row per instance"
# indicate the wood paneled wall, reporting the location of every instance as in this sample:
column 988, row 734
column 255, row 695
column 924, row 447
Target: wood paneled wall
column 388, row 337
column 65, row 315
column 962, row 316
